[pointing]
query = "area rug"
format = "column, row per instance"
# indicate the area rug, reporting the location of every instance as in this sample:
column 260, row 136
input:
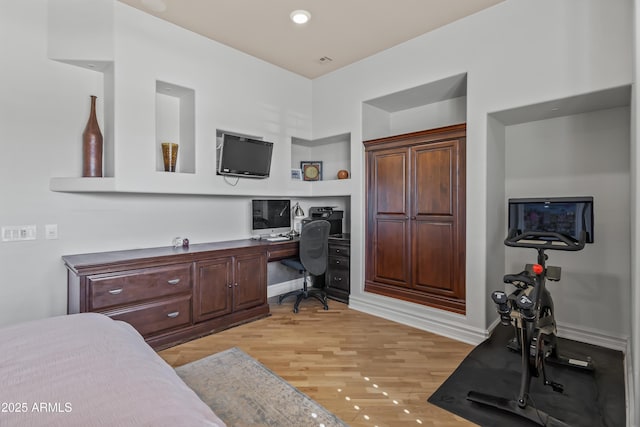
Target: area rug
column 243, row 392
column 589, row 399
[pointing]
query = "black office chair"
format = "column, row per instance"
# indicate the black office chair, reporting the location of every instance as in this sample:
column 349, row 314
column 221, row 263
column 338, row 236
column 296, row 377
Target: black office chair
column 313, row 257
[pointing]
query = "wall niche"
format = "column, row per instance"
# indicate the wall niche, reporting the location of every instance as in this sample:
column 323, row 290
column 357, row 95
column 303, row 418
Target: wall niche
column 333, row 151
column 175, row 122
column 428, row 106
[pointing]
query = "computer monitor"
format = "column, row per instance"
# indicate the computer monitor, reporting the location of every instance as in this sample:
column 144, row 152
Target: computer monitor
column 565, row 215
column 270, row 216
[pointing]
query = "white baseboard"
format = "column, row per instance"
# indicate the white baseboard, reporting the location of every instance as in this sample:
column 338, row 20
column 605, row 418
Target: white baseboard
column 592, row 336
column 632, row 405
column 284, row 287
column 465, row 333
column 421, row 319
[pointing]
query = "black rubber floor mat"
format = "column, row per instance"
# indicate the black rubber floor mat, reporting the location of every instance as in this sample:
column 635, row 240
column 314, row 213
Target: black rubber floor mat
column 589, row 398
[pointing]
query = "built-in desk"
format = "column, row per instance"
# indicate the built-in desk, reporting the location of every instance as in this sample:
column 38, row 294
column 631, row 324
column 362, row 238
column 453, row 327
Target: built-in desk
column 172, row 294
column 336, row 280
column 281, row 250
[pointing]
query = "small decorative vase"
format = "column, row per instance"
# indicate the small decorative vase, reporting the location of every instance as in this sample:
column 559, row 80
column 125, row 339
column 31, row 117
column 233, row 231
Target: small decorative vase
column 343, row 174
column 92, row 145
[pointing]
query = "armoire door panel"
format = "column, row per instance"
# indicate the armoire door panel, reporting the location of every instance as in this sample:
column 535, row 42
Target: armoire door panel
column 434, row 171
column 433, row 257
column 391, row 257
column 390, row 183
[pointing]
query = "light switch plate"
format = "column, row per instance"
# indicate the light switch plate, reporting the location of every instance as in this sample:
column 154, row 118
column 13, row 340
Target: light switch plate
column 16, row 233
column 51, row 231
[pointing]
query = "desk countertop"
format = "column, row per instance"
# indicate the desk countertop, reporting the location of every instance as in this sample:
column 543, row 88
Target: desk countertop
column 81, row 261
column 343, row 236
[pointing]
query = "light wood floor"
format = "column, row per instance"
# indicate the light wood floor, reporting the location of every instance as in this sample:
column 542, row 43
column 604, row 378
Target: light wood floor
column 366, row 370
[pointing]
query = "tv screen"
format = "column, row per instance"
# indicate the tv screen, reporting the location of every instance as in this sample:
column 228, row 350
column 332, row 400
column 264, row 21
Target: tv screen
column 565, row 215
column 244, row 157
column 271, row 216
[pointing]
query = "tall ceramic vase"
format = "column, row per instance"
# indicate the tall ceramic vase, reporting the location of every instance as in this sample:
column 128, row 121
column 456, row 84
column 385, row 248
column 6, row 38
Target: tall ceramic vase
column 92, row 145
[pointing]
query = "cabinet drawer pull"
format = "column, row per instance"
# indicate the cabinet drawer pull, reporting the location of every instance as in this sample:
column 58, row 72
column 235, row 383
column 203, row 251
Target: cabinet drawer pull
column 337, row 261
column 173, row 281
column 115, row 291
column 338, row 279
column 174, row 314
column 337, row 251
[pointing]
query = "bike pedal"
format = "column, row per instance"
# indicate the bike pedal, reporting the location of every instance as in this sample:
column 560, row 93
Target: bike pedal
column 557, row 387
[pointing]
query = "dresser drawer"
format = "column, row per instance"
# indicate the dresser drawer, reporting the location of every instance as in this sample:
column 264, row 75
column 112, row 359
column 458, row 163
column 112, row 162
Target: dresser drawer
column 157, row 316
column 125, row 287
column 338, row 250
column 338, row 279
column 278, row 251
column 338, row 263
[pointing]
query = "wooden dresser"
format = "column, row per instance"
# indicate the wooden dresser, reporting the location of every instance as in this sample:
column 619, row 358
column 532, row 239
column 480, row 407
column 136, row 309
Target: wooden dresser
column 338, row 270
column 171, row 295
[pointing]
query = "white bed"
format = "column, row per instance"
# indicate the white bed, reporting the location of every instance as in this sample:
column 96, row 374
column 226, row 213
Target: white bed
column 89, row 370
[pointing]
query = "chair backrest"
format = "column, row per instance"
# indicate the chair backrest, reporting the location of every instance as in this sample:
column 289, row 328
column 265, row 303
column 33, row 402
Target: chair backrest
column 314, row 246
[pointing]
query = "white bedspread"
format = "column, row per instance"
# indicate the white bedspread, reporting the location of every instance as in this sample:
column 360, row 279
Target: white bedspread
column 89, row 370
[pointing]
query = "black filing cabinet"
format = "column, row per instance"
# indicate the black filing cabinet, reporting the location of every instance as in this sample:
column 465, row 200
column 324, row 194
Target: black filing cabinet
column 337, row 275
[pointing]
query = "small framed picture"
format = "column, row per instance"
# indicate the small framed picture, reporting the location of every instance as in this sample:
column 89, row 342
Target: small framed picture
column 311, row 170
column 296, row 174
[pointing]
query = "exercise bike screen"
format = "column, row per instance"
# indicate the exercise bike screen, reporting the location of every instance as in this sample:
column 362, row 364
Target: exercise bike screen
column 567, row 215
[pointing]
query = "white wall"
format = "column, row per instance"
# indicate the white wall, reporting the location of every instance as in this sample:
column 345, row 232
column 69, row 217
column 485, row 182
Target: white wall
column 496, row 212
column 580, row 155
column 233, row 91
column 43, row 110
column 633, row 361
column 430, row 116
column 511, row 60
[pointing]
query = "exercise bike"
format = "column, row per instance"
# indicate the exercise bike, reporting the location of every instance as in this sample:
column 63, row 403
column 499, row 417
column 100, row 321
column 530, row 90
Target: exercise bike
column 529, row 308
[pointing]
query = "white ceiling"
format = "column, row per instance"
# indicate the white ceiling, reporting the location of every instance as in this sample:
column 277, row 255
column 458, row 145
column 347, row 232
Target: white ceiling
column 345, row 31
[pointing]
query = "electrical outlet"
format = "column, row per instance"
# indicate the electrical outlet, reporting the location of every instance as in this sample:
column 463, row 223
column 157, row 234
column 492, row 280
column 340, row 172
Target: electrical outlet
column 51, row 231
column 15, row 233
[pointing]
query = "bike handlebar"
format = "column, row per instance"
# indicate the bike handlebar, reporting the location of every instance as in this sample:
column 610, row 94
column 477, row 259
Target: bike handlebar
column 545, row 240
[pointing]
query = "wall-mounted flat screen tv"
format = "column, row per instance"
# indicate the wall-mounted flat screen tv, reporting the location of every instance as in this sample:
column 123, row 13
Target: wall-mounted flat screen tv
column 244, row 157
column 565, row 215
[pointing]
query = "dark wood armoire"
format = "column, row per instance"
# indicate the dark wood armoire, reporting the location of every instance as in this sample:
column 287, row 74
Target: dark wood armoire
column 415, row 231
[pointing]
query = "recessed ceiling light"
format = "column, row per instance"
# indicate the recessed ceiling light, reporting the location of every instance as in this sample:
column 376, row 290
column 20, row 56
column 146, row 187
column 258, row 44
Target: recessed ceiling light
column 300, row 16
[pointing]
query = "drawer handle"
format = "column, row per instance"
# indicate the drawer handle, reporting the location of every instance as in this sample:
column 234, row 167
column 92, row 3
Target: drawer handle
column 173, row 281
column 174, row 314
column 115, row 291
column 337, row 261
column 337, row 251
column 338, row 279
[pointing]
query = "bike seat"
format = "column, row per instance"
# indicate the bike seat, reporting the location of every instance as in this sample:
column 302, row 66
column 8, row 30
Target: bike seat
column 519, row 279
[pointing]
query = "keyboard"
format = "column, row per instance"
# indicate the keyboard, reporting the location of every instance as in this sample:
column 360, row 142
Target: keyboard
column 277, row 239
